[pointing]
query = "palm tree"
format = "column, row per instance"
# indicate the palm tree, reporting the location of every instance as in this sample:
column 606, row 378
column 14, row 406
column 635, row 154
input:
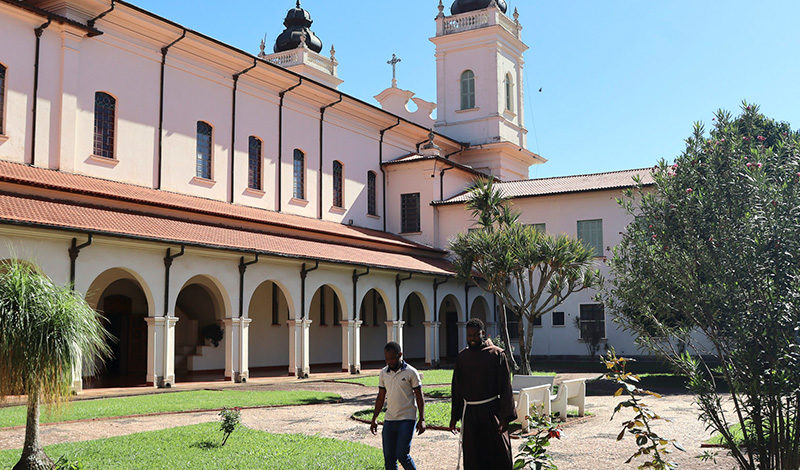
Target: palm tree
column 46, row 331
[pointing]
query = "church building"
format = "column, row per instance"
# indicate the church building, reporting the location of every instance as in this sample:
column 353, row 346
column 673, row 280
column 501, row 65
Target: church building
column 234, row 214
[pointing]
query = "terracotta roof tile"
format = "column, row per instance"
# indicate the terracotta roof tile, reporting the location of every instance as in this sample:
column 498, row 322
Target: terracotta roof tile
column 565, row 184
column 67, row 215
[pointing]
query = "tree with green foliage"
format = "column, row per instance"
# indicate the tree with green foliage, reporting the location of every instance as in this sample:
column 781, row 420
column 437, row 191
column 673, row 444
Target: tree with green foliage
column 531, row 272
column 46, row 331
column 711, row 262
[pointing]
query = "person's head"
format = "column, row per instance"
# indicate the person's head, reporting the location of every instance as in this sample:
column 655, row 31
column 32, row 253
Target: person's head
column 476, row 333
column 393, row 354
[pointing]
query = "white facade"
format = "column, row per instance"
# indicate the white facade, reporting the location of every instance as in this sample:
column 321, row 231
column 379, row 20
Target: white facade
column 274, row 317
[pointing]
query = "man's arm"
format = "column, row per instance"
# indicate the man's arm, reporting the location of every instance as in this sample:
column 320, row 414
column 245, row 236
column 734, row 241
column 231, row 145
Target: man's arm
column 373, row 427
column 421, row 407
column 457, row 404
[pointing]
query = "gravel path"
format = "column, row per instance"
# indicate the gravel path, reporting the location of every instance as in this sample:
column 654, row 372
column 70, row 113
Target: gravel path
column 588, row 445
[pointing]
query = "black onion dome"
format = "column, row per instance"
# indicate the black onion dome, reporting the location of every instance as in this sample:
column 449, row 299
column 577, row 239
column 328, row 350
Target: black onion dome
column 297, row 22
column 463, row 6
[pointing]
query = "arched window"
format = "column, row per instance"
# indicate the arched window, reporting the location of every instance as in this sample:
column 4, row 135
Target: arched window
column 372, row 198
column 254, row 163
column 338, row 198
column 467, row 90
column 2, row 97
column 104, row 123
column 204, row 138
column 509, row 85
column 299, row 175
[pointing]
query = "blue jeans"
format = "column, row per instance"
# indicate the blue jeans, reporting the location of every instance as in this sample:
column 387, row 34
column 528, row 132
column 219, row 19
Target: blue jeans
column 397, row 444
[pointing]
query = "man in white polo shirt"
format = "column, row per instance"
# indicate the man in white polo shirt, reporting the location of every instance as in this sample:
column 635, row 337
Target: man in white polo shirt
column 400, row 387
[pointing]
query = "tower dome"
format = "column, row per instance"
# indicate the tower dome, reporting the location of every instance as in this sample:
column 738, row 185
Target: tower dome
column 297, row 22
column 463, row 6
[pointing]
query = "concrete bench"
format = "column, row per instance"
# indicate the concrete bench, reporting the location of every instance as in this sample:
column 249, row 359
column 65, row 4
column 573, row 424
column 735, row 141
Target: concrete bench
column 570, row 392
column 531, row 390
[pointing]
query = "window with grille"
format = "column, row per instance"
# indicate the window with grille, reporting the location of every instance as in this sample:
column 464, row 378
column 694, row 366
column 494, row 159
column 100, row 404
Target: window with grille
column 299, row 191
column 509, row 83
column 338, row 198
column 467, row 90
column 409, row 213
column 558, row 318
column 254, row 163
column 104, row 122
column 2, row 97
column 203, row 164
column 592, row 322
column 372, row 197
column 590, row 232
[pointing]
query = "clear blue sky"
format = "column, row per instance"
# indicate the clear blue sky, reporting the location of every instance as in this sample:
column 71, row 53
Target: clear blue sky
column 622, row 81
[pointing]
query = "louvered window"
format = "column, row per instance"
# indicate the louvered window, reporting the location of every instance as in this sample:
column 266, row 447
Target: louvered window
column 467, row 90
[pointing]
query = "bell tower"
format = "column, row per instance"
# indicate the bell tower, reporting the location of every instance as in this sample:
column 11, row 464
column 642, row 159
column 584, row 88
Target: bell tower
column 479, row 71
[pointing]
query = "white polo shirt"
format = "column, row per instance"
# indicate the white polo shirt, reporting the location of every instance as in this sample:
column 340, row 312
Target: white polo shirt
column 400, row 401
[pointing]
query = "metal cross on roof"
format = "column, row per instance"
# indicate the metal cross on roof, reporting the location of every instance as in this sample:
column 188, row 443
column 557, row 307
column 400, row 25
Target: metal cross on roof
column 395, row 60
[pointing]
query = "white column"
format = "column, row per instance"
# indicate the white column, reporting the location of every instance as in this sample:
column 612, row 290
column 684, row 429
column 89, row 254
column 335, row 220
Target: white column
column 66, row 108
column 351, row 346
column 236, row 343
column 394, row 332
column 298, row 348
column 462, row 335
column 161, row 351
column 432, row 343
column 77, row 376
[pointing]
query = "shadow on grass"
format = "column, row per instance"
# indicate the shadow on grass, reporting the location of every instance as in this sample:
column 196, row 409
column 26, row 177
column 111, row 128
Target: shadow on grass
column 206, row 445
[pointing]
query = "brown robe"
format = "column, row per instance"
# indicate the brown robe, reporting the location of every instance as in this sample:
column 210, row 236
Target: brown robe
column 478, row 375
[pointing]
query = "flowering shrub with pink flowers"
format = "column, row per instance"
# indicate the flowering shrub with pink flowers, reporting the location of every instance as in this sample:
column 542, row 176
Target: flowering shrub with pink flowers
column 533, row 451
column 708, row 276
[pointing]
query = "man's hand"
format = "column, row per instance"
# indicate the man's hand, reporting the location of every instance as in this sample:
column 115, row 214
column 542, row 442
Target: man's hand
column 373, row 427
column 452, row 427
column 421, row 426
column 502, row 427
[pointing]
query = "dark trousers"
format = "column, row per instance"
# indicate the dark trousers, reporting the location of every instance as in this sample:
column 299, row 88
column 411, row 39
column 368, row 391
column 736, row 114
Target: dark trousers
column 397, row 444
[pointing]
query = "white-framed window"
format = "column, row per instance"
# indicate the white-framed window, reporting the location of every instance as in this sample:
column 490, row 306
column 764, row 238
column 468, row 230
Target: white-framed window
column 105, row 123
column 592, row 322
column 467, row 90
column 508, row 83
column 254, row 149
column 590, row 232
column 205, row 135
column 299, row 180
column 338, row 184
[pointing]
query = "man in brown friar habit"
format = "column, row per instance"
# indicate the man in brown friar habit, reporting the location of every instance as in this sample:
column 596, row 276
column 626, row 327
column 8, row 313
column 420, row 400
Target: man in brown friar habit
column 483, row 400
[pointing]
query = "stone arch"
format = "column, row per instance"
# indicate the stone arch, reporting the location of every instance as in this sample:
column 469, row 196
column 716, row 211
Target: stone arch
column 450, row 315
column 414, row 315
column 480, row 309
column 270, row 308
column 124, row 301
column 326, row 310
column 374, row 312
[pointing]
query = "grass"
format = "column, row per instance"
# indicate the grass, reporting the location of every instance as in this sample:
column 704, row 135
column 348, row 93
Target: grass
column 166, row 402
column 736, row 432
column 436, row 414
column 197, row 446
column 429, row 377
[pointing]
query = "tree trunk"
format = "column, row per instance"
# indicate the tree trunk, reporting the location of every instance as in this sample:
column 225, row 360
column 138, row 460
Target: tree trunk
column 33, row 457
column 524, row 348
column 507, row 339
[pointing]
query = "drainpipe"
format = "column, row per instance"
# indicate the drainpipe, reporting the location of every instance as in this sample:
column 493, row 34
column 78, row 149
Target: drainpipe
column 38, row 32
column 233, row 124
column 242, row 268
column 319, row 175
column 168, row 264
column 164, row 51
column 436, row 284
column 383, row 172
column 423, row 142
column 278, row 171
column 356, row 275
column 303, row 274
column 91, row 22
column 441, row 173
column 397, row 281
column 74, row 250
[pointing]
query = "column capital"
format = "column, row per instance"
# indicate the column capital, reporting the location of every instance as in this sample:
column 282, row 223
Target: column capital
column 153, row 321
column 303, row 322
column 430, row 324
column 395, row 323
column 351, row 323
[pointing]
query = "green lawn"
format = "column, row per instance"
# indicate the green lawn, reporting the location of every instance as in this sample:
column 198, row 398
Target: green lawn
column 429, row 377
column 197, row 446
column 736, row 431
column 166, row 402
column 436, row 414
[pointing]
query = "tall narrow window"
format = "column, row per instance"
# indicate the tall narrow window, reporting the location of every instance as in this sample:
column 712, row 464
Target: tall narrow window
column 590, row 232
column 203, row 163
column 338, row 198
column 2, row 98
column 372, row 199
column 509, row 84
column 409, row 212
column 254, row 163
column 467, row 90
column 299, row 175
column 274, row 304
column 104, row 120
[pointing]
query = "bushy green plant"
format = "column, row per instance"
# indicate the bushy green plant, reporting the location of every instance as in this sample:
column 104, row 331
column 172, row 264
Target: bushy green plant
column 213, row 333
column 533, row 451
column 230, row 417
column 63, row 463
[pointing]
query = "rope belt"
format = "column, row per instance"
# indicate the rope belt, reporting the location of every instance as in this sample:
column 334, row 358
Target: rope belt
column 464, row 413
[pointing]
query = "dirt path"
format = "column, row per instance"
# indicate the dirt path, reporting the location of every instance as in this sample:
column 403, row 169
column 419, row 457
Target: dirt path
column 590, row 445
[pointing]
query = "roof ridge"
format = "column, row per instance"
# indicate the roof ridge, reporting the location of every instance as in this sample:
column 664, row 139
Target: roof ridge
column 576, row 176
